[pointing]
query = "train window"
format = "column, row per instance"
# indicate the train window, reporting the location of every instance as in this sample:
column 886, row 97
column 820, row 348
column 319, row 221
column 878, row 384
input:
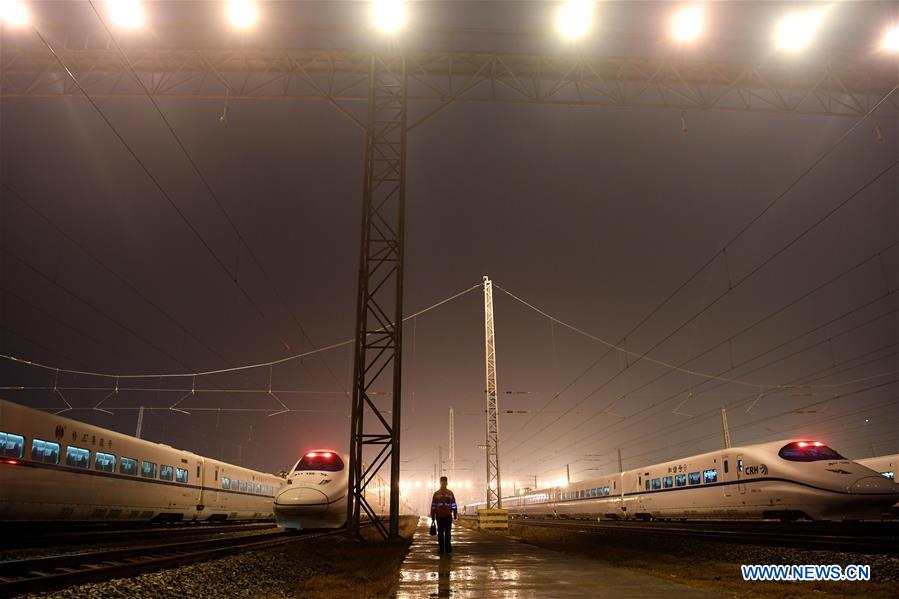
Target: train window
column 639, row 481
column 226, row 483
column 181, row 475
column 710, row 476
column 808, row 451
column 259, row 488
column 725, row 467
column 12, row 446
column 680, row 480
column 740, row 465
column 166, row 472
column 104, row 462
column 656, row 483
column 320, row 460
column 694, row 478
column 44, row 451
column 605, row 490
column 243, row 486
column 77, row 457
column 647, row 484
column 888, row 474
column 128, row 466
column 234, row 484
column 148, row 469
column 669, row 482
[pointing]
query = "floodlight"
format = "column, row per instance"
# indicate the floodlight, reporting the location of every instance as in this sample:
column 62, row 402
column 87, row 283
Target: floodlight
column 796, row 30
column 13, row 13
column 891, row 40
column 242, row 13
column 126, row 13
column 687, row 24
column 574, row 18
column 389, row 15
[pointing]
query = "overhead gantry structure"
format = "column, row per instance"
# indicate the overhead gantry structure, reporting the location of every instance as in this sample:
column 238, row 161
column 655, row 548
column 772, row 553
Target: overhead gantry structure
column 388, row 94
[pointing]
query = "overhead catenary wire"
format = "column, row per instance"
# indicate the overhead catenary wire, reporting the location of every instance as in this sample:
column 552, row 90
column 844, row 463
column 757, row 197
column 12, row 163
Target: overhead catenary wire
column 723, row 250
column 732, row 367
column 820, row 374
column 242, row 240
column 881, row 173
column 155, row 181
column 115, row 274
column 276, row 362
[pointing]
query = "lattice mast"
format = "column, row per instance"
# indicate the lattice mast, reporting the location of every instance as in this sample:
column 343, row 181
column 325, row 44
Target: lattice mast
column 452, row 448
column 377, row 363
column 494, row 489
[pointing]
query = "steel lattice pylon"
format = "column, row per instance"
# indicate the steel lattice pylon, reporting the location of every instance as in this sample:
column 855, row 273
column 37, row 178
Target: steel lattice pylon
column 379, row 317
column 494, row 490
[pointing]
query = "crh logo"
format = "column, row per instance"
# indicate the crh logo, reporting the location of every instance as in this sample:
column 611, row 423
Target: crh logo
column 760, row 469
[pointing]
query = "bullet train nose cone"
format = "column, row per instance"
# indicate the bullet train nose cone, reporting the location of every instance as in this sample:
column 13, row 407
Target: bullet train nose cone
column 874, row 484
column 304, row 500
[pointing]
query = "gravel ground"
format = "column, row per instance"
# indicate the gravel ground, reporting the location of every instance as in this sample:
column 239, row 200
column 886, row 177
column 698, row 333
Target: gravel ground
column 884, row 568
column 263, row 573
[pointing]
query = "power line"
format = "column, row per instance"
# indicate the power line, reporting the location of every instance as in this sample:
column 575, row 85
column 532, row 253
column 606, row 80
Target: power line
column 155, row 181
column 750, row 398
column 112, row 272
column 240, row 237
column 759, row 267
column 776, row 312
column 231, row 369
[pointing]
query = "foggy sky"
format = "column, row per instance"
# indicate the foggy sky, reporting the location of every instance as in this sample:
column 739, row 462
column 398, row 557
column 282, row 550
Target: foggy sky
column 594, row 215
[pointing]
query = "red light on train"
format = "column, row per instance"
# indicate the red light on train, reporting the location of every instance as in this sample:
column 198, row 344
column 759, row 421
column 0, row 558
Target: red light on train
column 803, row 444
column 14, row 462
column 327, row 454
column 311, row 454
column 818, row 444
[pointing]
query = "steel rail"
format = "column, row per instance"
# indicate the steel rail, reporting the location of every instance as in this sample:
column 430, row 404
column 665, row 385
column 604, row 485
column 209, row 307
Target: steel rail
column 27, row 575
column 30, row 539
column 854, row 538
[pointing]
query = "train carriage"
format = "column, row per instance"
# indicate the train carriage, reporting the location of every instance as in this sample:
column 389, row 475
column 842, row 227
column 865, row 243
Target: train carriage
column 785, row 480
column 57, row 469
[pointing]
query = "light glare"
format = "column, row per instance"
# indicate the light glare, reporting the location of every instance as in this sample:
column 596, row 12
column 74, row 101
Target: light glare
column 389, row 15
column 687, row 24
column 242, row 13
column 126, row 13
column 13, row 12
column 796, row 31
column 574, row 18
column 891, row 40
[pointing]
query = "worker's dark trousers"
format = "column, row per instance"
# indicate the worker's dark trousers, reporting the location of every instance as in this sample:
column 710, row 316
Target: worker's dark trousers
column 444, row 534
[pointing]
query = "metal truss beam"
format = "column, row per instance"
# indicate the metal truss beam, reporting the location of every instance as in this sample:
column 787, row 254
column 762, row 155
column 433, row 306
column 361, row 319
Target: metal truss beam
column 379, row 316
column 438, row 79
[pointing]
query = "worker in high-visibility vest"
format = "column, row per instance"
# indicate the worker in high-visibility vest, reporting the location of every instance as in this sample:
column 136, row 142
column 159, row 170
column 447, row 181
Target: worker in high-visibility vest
column 443, row 511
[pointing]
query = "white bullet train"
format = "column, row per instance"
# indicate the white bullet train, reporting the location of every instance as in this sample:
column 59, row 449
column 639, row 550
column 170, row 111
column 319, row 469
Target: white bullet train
column 886, row 465
column 784, row 480
column 57, row 469
column 315, row 495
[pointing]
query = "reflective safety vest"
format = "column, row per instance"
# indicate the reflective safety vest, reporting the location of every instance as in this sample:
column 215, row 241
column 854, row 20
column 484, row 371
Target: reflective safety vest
column 443, row 504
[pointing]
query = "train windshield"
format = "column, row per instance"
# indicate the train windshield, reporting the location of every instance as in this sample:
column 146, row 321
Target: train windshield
column 808, row 451
column 320, row 460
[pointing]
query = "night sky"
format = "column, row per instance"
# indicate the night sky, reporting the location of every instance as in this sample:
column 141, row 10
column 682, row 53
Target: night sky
column 593, row 215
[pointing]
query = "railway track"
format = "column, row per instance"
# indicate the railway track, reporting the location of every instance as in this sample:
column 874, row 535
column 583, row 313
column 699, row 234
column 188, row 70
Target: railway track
column 43, row 573
column 29, row 540
column 878, row 538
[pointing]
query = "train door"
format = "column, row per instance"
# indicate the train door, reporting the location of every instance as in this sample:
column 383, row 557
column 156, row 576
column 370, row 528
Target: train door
column 725, row 475
column 741, row 486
